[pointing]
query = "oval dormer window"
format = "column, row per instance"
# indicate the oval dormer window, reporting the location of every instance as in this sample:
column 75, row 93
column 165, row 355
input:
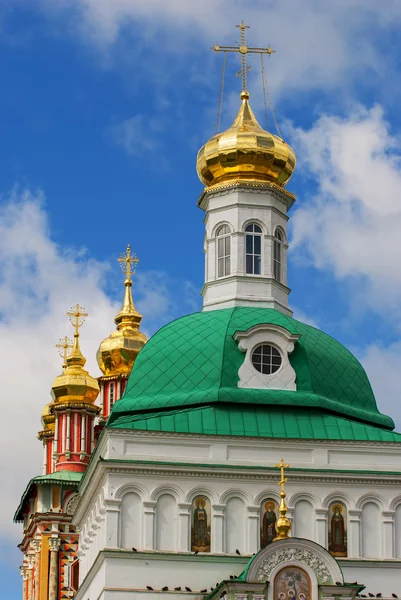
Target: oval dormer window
column 266, row 359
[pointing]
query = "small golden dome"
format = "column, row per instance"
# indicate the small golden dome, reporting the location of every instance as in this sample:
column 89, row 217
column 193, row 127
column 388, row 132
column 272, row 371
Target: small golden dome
column 75, row 384
column 245, row 151
column 48, row 419
column 117, row 353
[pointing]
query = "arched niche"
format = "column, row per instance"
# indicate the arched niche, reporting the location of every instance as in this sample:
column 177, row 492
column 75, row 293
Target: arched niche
column 371, row 530
column 303, row 521
column 235, row 525
column 130, row 521
column 166, row 521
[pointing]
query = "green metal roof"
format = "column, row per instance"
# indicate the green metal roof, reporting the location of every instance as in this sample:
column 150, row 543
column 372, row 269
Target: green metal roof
column 258, row 421
column 194, row 361
column 62, row 477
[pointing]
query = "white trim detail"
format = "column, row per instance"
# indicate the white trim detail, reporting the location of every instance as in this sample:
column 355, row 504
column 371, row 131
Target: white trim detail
column 279, row 338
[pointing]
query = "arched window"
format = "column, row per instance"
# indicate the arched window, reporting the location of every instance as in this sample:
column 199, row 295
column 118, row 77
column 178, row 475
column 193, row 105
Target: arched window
column 223, row 251
column 253, row 249
column 277, row 254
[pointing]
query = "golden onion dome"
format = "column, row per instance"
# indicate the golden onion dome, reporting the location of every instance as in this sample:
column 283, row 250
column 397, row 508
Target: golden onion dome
column 117, row 353
column 245, row 151
column 75, row 384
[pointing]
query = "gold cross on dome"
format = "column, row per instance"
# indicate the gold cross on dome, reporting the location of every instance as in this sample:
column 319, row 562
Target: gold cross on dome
column 77, row 315
column 64, row 346
column 243, row 50
column 283, row 479
column 128, row 262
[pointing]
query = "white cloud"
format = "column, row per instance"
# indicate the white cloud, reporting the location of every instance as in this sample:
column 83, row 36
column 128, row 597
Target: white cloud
column 383, row 366
column 38, row 284
column 352, row 225
column 138, row 136
column 319, row 44
column 39, row 281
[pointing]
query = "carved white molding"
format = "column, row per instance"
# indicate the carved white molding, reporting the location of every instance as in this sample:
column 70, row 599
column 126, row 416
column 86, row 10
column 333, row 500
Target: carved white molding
column 294, row 550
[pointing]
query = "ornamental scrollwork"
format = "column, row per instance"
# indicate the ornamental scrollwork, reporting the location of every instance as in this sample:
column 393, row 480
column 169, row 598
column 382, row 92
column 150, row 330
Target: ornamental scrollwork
column 294, row 554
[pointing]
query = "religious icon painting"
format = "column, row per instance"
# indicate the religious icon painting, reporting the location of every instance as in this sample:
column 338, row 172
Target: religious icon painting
column 338, row 529
column 268, row 518
column 292, row 583
column 201, row 522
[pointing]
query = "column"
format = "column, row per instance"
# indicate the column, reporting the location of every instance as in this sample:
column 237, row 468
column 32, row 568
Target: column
column 54, row 544
column 354, row 533
column 184, row 527
column 217, row 545
column 36, row 545
column 24, row 574
column 83, row 430
column 253, row 530
column 68, row 435
column 321, row 527
column 45, row 442
column 55, row 444
column 149, row 525
column 112, row 517
column 388, row 533
column 30, row 576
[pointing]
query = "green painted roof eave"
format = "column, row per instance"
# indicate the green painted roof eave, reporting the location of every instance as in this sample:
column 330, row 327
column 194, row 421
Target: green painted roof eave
column 64, row 477
column 257, row 421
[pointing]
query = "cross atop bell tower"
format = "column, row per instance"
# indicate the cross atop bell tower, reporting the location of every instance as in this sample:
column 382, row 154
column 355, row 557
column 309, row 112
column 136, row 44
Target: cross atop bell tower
column 243, row 50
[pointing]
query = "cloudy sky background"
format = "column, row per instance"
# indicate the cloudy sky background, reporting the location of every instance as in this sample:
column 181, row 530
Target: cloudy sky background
column 102, row 110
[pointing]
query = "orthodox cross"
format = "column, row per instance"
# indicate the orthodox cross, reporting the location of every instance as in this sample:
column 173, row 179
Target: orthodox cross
column 77, row 315
column 283, row 479
column 64, row 346
column 128, row 262
column 243, row 50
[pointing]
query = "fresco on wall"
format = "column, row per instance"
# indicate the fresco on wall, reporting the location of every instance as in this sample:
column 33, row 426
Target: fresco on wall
column 201, row 521
column 292, row 583
column 337, row 527
column 268, row 518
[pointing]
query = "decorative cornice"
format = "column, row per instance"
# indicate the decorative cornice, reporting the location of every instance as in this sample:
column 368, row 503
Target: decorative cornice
column 248, row 185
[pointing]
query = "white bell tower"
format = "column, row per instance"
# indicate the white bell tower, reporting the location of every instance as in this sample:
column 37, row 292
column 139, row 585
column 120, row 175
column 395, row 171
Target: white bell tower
column 246, row 246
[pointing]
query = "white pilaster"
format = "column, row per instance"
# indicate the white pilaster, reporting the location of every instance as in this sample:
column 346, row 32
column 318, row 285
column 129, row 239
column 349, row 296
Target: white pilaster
column 253, row 533
column 321, row 527
column 111, row 520
column 149, row 525
column 217, row 528
column 184, row 527
column 388, row 533
column 354, row 533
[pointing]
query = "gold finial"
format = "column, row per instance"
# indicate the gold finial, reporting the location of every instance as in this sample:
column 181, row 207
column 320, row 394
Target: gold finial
column 77, row 315
column 117, row 353
column 128, row 262
column 64, row 346
column 283, row 524
column 243, row 50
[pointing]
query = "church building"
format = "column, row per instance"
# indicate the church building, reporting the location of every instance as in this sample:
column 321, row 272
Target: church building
column 239, row 454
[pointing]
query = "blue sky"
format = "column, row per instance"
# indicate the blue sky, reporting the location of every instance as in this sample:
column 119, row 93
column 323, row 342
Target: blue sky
column 102, row 110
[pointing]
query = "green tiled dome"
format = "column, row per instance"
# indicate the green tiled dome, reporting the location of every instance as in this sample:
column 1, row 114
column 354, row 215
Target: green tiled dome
column 193, row 363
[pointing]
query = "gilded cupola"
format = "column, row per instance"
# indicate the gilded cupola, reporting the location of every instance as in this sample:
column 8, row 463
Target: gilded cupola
column 245, row 151
column 75, row 385
column 117, row 353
